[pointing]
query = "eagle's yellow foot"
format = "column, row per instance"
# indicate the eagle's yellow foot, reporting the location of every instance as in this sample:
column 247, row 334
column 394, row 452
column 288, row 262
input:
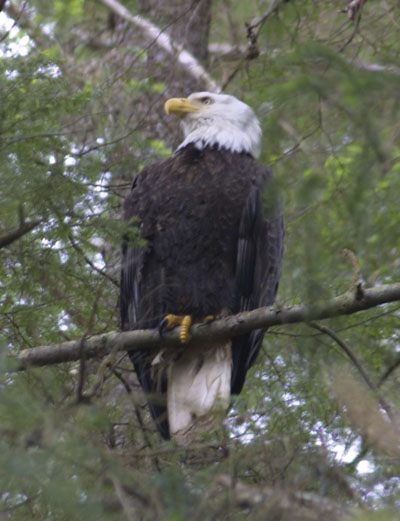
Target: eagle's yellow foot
column 171, row 320
column 185, row 326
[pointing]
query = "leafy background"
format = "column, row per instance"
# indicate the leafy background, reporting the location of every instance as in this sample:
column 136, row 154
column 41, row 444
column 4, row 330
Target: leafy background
column 81, row 95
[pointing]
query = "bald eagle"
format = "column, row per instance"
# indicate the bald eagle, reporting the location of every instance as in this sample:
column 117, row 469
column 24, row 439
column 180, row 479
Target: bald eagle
column 212, row 246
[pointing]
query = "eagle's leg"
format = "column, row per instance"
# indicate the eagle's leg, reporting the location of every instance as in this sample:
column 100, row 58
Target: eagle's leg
column 171, row 320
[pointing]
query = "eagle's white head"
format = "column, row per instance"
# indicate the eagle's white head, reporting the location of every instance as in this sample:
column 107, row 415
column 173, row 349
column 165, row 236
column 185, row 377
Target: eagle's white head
column 209, row 119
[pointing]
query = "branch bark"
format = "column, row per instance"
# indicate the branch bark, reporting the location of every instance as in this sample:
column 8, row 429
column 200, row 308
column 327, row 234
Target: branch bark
column 185, row 58
column 100, row 345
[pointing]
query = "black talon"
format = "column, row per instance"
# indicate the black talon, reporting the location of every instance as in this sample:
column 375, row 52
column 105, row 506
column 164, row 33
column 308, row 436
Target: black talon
column 162, row 326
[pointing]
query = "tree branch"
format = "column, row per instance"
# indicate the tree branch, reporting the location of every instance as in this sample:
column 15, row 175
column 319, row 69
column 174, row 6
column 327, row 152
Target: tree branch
column 256, row 24
column 357, row 364
column 224, row 48
column 10, row 237
column 185, row 58
column 101, row 345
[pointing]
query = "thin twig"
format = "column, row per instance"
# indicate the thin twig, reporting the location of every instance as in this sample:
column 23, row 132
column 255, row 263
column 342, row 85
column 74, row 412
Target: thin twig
column 389, row 371
column 2, row 5
column 327, row 331
column 357, row 364
column 122, row 379
column 356, row 266
column 252, row 31
column 353, row 34
column 297, row 145
column 104, row 274
column 256, row 24
column 107, row 362
column 82, row 355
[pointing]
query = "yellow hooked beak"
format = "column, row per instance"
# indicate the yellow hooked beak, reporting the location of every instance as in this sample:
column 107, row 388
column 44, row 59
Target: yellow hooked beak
column 180, row 106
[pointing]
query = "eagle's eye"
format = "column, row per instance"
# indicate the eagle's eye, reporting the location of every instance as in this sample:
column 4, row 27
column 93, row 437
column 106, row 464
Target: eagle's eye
column 206, row 100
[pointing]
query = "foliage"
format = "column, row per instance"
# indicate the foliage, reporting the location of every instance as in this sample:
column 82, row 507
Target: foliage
column 79, row 113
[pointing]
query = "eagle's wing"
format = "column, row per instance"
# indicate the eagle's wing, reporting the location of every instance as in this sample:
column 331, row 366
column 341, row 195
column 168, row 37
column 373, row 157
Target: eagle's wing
column 154, row 386
column 258, row 266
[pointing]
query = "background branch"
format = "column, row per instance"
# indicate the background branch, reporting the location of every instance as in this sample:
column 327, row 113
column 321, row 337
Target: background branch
column 357, row 364
column 14, row 235
column 185, row 58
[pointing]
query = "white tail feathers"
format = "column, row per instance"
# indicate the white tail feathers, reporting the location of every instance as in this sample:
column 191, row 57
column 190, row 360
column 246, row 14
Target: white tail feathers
column 199, row 385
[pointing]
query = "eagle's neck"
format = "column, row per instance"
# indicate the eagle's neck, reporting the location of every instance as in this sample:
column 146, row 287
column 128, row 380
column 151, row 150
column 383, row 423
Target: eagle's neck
column 228, row 135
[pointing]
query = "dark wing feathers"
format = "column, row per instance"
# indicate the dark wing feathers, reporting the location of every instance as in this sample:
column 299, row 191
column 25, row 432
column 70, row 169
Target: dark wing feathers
column 246, row 249
column 133, row 260
column 258, row 265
